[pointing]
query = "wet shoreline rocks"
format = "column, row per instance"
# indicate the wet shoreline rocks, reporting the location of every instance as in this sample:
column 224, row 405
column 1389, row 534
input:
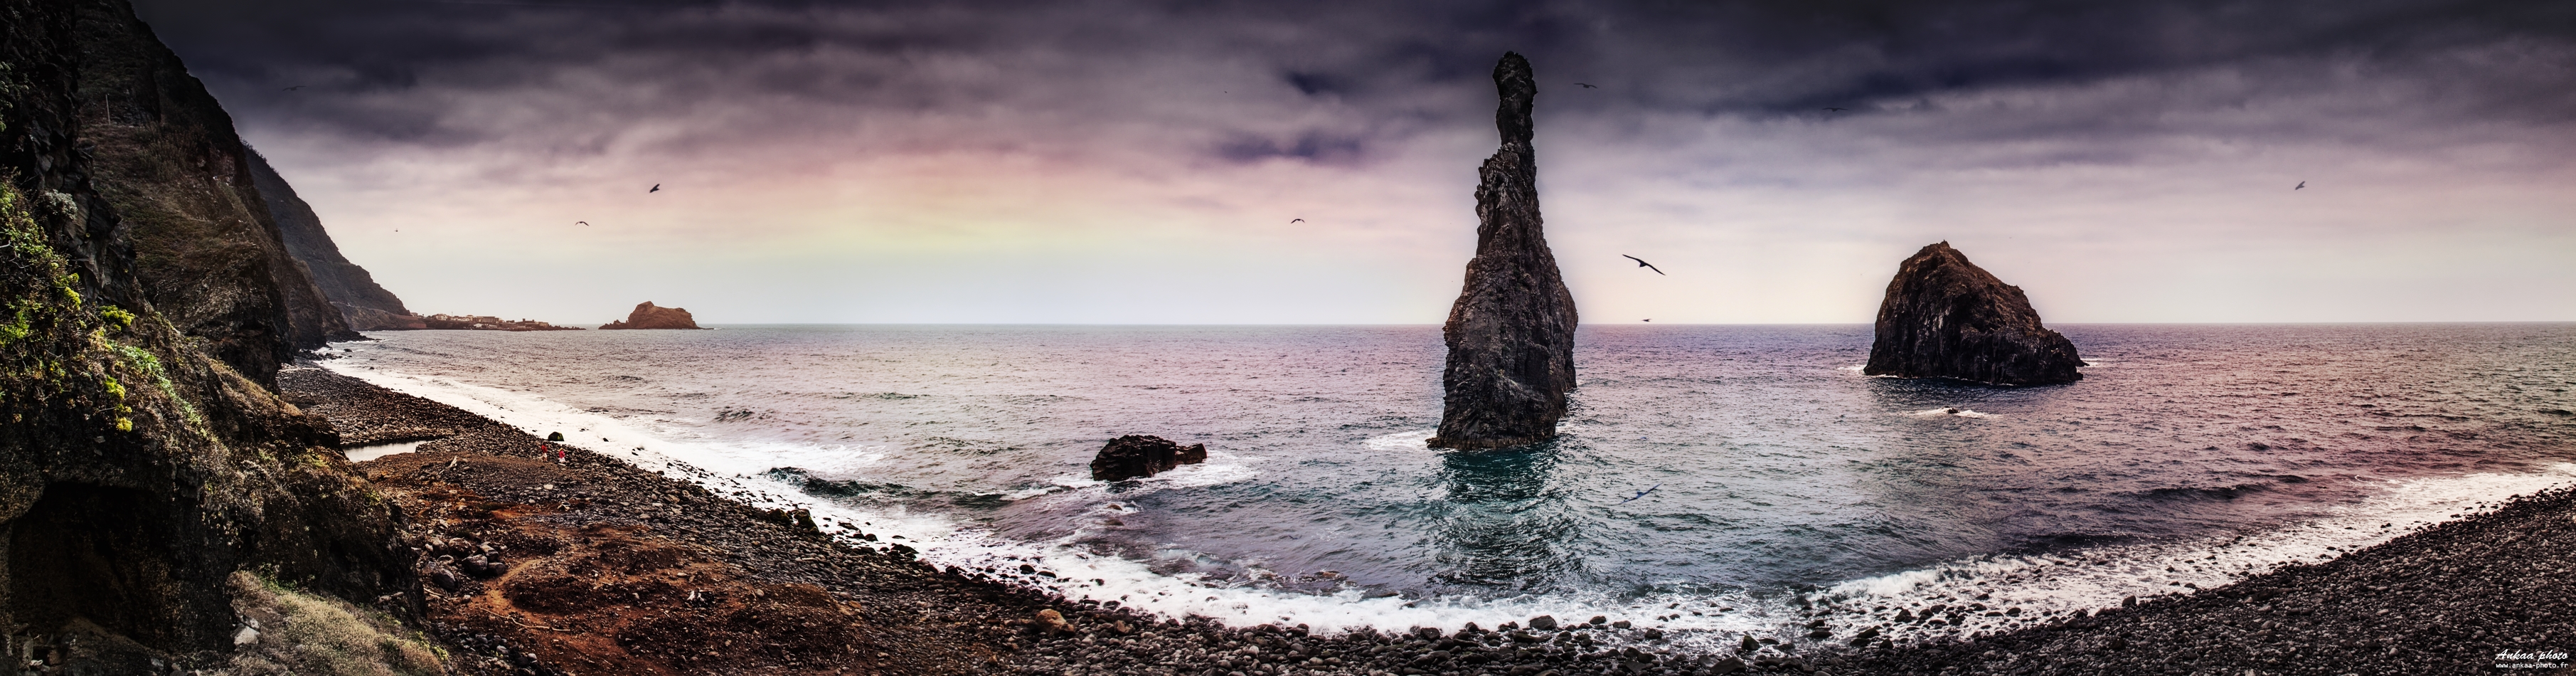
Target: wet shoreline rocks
column 1511, row 332
column 1944, row 317
column 1136, row 456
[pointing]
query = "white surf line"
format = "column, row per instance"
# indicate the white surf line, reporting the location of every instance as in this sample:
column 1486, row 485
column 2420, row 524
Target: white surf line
column 1078, row 574
column 2079, row 580
column 2055, row 585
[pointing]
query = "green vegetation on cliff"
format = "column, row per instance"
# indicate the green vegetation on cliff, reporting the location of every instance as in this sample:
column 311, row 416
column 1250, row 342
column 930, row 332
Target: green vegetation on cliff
column 145, row 459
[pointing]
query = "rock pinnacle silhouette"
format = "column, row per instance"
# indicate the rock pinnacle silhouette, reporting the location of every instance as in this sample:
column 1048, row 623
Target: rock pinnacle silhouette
column 1511, row 333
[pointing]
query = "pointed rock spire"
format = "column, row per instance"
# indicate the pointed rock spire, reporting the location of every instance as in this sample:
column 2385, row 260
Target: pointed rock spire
column 1511, row 333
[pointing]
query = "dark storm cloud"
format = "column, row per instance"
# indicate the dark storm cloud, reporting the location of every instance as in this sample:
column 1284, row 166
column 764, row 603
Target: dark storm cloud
column 408, row 69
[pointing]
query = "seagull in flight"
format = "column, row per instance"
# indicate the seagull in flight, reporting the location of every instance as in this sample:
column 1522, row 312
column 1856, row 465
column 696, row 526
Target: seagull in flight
column 1586, row 86
column 1296, row 220
column 1640, row 494
column 1836, row 110
column 1643, row 264
column 582, row 222
column 2302, row 184
column 657, row 187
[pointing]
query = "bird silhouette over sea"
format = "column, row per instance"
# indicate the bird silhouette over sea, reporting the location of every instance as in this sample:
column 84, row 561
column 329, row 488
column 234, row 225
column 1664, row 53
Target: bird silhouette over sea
column 582, row 222
column 1640, row 494
column 657, row 187
column 1586, row 86
column 1836, row 110
column 1296, row 220
column 2302, row 184
column 1643, row 264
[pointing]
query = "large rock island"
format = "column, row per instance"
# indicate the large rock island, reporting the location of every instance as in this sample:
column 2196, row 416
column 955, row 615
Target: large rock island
column 649, row 316
column 1511, row 333
column 1946, row 318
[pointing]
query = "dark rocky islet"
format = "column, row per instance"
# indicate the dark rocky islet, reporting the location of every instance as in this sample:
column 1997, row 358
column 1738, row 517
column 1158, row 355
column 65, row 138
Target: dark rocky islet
column 649, row 316
column 1944, row 317
column 1142, row 455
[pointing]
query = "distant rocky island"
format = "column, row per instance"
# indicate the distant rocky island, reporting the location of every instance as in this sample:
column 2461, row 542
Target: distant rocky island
column 649, row 316
column 1944, row 317
column 488, row 323
column 1511, row 332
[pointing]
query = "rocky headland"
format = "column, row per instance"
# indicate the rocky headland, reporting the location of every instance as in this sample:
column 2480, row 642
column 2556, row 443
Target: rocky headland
column 1944, row 317
column 1511, row 332
column 487, row 323
column 649, row 316
column 147, row 463
column 162, row 153
column 363, row 304
column 1143, row 455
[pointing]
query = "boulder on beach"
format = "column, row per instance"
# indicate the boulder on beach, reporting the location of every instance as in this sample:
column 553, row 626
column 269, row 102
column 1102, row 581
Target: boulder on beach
column 1511, row 332
column 1946, row 318
column 1143, row 455
column 650, row 316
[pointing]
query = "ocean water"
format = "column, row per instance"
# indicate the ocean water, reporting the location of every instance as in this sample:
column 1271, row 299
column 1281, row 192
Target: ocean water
column 1778, row 473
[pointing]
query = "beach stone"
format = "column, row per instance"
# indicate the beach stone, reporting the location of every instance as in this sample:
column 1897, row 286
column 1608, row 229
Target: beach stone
column 1946, row 318
column 1053, row 622
column 444, row 577
column 1511, row 332
column 1142, row 455
column 1543, row 622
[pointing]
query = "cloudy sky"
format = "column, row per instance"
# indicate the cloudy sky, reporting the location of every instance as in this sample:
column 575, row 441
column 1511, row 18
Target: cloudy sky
column 1127, row 161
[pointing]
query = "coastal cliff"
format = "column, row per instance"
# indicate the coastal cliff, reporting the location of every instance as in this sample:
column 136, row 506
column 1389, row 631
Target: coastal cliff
column 363, row 304
column 146, row 461
column 649, row 316
column 1511, row 332
column 1944, row 317
column 164, row 154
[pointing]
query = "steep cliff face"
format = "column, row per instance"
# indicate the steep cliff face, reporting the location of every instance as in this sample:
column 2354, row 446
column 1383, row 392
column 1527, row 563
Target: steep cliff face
column 1944, row 317
column 164, row 154
column 138, row 470
column 1511, row 333
column 347, row 286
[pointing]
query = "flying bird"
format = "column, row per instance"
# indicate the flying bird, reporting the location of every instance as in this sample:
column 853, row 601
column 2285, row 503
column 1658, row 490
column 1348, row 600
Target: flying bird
column 1836, row 110
column 289, row 89
column 1643, row 264
column 1296, row 220
column 1586, row 86
column 2302, row 184
column 582, row 222
column 1640, row 494
column 1645, row 320
column 657, row 187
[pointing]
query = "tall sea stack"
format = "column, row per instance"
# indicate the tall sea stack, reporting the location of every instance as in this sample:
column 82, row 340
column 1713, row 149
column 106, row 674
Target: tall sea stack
column 1946, row 318
column 1511, row 333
